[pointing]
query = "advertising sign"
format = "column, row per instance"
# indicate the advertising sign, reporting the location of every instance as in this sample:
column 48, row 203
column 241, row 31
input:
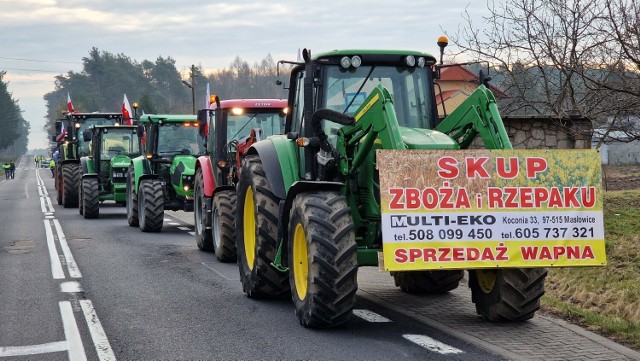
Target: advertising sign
column 482, row 208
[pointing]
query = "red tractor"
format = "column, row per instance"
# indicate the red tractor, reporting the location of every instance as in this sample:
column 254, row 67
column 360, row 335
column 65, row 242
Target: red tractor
column 231, row 128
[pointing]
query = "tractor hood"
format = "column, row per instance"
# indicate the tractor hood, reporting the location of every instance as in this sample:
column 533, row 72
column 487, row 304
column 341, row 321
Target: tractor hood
column 120, row 161
column 182, row 174
column 416, row 138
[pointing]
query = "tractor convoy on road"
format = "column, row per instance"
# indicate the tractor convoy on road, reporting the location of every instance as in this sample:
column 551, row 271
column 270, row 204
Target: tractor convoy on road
column 355, row 168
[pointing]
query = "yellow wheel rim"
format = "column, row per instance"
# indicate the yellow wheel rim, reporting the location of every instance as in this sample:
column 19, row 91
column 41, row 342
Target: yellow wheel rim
column 249, row 228
column 486, row 280
column 300, row 262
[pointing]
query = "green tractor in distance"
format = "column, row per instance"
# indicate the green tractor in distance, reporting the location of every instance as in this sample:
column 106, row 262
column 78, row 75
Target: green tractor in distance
column 104, row 170
column 162, row 178
column 308, row 201
column 236, row 124
column 71, row 148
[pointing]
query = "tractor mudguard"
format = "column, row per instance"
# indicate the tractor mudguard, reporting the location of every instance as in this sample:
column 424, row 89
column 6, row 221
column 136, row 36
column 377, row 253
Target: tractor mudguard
column 204, row 163
column 141, row 170
column 278, row 157
column 86, row 165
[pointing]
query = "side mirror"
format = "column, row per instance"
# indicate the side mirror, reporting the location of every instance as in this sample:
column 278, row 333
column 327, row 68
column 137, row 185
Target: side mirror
column 87, row 135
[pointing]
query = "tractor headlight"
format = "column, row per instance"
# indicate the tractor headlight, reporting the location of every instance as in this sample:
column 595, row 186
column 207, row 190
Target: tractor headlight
column 421, row 62
column 410, row 60
column 345, row 62
column 356, row 61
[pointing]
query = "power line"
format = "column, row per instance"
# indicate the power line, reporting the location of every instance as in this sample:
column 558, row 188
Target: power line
column 36, row 70
column 41, row 61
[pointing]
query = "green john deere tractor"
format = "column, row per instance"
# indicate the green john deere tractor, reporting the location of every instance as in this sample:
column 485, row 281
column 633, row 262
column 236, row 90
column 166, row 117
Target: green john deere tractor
column 162, row 178
column 104, row 170
column 71, row 148
column 308, row 202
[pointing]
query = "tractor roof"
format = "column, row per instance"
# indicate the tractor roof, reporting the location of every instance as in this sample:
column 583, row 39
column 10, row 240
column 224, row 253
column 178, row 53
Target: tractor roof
column 373, row 56
column 167, row 118
column 276, row 104
column 81, row 116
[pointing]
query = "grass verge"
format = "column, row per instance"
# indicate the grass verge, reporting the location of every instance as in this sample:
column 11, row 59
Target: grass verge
column 605, row 299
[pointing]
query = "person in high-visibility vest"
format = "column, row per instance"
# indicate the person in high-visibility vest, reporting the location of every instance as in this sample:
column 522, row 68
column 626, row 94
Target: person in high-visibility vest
column 52, row 167
column 7, row 170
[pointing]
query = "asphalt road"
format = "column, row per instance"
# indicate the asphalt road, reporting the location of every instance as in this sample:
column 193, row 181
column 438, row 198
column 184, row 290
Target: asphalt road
column 98, row 289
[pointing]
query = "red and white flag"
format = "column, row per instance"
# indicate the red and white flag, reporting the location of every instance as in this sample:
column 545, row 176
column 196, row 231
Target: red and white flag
column 126, row 111
column 69, row 104
column 61, row 136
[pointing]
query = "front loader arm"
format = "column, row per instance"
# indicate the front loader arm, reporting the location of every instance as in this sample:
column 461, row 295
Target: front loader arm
column 477, row 115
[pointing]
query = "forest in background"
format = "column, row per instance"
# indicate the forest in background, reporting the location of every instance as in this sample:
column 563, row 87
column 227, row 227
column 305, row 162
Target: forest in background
column 157, row 86
column 14, row 130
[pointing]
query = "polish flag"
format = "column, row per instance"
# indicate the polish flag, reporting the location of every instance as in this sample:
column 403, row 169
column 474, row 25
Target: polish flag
column 126, row 111
column 69, row 104
column 62, row 134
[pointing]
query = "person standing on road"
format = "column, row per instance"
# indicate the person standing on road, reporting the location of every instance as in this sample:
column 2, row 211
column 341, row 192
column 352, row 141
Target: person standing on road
column 52, row 168
column 12, row 169
column 6, row 167
column 37, row 160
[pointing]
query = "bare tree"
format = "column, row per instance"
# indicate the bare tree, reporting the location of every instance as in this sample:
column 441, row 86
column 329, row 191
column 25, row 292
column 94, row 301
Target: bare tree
column 563, row 58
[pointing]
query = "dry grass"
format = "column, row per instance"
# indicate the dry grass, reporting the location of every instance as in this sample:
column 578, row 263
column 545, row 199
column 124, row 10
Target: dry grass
column 605, row 299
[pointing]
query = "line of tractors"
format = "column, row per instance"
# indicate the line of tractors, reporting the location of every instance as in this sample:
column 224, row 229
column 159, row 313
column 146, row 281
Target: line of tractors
column 289, row 189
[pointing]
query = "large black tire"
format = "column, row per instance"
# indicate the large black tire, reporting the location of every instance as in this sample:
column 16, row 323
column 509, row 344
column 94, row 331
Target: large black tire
column 224, row 226
column 427, row 282
column 70, row 185
column 151, row 205
column 201, row 215
column 507, row 294
column 132, row 198
column 58, row 184
column 257, row 232
column 323, row 265
column 90, row 198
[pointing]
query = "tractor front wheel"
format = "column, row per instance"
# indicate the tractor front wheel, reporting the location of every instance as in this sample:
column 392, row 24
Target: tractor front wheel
column 70, row 185
column 90, row 198
column 202, row 219
column 151, row 205
column 257, row 233
column 224, row 224
column 132, row 198
column 323, row 264
column 427, row 282
column 507, row 294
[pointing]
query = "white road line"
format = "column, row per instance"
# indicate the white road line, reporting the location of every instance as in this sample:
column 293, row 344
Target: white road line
column 74, row 272
column 174, row 224
column 432, row 345
column 167, row 220
column 184, row 228
column 192, row 233
column 70, row 287
column 26, row 190
column 370, row 316
column 76, row 349
column 219, row 273
column 42, row 205
column 56, row 267
column 100, row 340
column 49, row 205
column 34, row 349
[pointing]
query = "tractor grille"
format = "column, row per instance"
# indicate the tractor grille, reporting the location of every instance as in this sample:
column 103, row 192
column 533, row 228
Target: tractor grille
column 119, row 175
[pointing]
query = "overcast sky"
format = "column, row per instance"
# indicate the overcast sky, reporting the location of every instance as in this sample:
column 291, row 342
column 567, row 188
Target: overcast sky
column 40, row 39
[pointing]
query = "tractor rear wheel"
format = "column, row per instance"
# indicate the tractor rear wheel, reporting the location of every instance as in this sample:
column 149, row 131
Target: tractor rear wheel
column 151, row 205
column 132, row 198
column 70, row 185
column 427, row 282
column 507, row 294
column 90, row 198
column 202, row 218
column 224, row 226
column 257, row 233
column 323, row 266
